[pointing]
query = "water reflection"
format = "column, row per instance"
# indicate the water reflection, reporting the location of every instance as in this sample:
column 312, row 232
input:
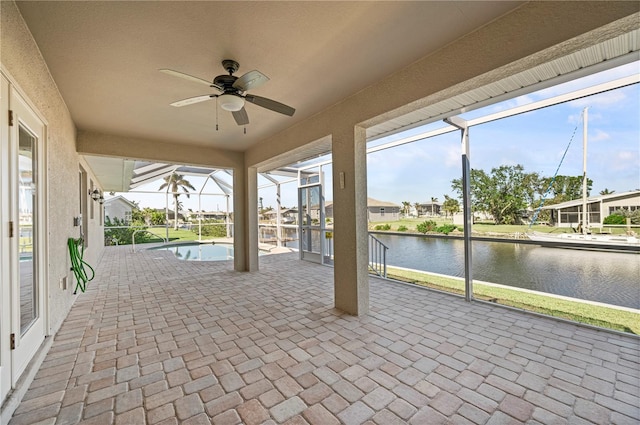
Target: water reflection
column 608, row 277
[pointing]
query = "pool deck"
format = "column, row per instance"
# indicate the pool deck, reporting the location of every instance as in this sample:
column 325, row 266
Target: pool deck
column 156, row 340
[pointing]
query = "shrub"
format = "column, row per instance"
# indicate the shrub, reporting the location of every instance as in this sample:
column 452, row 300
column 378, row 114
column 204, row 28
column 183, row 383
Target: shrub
column 426, row 226
column 446, row 228
column 633, row 215
column 402, row 228
column 615, row 219
column 383, row 227
column 212, row 228
column 215, row 231
column 123, row 235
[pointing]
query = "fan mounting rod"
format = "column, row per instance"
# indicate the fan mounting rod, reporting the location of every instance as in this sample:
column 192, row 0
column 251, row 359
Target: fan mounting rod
column 230, row 65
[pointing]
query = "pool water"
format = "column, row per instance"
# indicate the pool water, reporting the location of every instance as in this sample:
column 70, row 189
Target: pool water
column 201, row 251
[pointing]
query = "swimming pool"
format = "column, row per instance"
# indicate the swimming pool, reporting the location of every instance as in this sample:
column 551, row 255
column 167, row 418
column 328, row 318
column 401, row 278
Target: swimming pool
column 197, row 251
column 200, row 251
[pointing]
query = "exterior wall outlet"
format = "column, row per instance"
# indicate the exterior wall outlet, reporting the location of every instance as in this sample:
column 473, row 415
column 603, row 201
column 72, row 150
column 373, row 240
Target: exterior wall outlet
column 63, row 283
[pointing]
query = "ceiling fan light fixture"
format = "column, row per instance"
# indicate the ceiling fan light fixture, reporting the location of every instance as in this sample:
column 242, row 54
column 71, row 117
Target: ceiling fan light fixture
column 230, row 102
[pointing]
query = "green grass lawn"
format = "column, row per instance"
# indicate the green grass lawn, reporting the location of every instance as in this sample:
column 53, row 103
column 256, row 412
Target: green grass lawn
column 175, row 235
column 482, row 228
column 179, row 235
column 606, row 317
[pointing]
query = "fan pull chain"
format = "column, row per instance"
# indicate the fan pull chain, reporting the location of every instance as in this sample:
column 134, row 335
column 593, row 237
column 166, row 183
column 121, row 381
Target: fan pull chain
column 216, row 113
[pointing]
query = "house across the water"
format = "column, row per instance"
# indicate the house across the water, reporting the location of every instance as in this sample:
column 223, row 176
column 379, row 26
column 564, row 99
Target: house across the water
column 377, row 211
column 569, row 214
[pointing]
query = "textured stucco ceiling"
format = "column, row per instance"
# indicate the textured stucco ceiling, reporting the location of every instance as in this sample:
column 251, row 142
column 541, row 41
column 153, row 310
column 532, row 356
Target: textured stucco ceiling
column 105, row 56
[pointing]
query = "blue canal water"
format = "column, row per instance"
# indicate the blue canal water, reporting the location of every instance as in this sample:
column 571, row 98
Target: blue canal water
column 608, row 277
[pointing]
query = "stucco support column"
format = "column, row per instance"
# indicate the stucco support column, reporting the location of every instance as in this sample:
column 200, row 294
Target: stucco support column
column 245, row 219
column 351, row 274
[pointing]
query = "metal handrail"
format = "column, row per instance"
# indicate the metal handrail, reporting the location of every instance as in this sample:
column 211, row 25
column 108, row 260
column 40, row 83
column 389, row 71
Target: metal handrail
column 133, row 238
column 377, row 256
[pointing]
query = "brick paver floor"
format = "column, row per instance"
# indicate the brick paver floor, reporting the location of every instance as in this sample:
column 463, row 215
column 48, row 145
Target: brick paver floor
column 156, row 340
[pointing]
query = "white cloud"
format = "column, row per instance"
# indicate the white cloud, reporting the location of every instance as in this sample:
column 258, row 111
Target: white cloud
column 627, row 155
column 574, row 118
column 373, row 160
column 452, row 156
column 599, row 136
column 627, row 160
column 577, row 118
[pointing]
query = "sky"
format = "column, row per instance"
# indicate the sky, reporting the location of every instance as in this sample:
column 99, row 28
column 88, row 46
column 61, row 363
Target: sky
column 418, row 171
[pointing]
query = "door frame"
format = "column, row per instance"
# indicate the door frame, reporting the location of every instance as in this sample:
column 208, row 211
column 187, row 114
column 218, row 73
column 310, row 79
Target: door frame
column 28, row 344
column 14, row 362
column 5, row 275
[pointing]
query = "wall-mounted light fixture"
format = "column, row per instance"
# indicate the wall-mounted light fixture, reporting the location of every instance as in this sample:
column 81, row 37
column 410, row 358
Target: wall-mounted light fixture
column 101, row 198
column 95, row 195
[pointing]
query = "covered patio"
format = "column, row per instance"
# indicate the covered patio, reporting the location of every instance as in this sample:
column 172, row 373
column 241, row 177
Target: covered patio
column 159, row 340
column 89, row 88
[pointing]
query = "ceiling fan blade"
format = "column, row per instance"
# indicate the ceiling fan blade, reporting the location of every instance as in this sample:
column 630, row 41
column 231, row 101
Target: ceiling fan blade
column 250, row 80
column 192, row 100
column 189, row 78
column 241, row 116
column 270, row 104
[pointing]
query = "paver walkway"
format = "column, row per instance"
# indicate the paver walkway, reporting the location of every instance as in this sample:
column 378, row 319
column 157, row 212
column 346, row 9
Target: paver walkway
column 156, row 340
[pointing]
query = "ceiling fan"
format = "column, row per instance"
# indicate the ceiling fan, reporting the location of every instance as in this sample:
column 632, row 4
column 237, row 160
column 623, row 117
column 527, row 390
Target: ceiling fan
column 232, row 92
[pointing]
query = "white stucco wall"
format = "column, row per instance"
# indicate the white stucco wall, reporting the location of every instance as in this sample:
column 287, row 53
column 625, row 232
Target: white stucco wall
column 22, row 62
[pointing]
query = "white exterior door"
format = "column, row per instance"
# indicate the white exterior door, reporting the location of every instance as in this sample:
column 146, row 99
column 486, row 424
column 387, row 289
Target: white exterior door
column 23, row 290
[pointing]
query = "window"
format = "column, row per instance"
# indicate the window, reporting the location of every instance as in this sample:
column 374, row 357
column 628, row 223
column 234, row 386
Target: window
column 91, row 206
column 381, row 212
column 85, row 200
column 630, row 208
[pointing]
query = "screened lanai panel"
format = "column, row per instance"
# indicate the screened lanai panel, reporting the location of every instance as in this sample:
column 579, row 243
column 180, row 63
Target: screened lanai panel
column 607, row 54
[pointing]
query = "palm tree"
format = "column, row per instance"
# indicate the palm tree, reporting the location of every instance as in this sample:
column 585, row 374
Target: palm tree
column 606, row 191
column 417, row 205
column 433, row 201
column 406, row 207
column 175, row 182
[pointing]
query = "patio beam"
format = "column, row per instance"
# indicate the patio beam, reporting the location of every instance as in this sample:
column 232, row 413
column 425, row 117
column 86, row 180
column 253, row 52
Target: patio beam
column 101, row 144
